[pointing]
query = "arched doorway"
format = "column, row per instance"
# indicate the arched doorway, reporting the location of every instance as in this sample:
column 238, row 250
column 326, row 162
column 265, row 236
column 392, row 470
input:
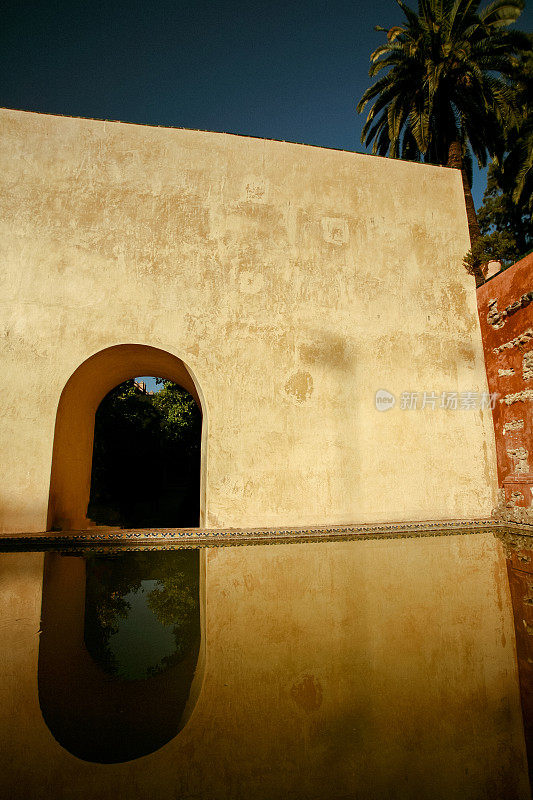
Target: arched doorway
column 70, row 482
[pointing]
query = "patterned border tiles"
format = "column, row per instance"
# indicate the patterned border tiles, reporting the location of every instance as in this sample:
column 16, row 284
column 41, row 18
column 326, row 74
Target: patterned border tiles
column 165, row 538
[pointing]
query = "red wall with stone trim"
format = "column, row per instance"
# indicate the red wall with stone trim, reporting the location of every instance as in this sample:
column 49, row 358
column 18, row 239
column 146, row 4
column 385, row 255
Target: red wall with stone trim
column 505, row 306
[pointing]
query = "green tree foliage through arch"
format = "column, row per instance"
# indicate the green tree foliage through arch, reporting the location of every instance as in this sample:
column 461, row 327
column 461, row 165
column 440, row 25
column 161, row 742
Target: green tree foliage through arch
column 146, row 458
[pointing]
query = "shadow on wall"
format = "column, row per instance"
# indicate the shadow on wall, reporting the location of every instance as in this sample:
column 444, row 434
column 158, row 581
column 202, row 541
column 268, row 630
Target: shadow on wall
column 70, row 482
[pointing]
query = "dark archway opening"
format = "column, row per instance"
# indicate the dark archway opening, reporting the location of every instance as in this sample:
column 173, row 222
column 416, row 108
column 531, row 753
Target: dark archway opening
column 146, row 457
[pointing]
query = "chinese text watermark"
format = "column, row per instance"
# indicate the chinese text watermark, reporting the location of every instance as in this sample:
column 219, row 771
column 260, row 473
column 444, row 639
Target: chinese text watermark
column 412, row 401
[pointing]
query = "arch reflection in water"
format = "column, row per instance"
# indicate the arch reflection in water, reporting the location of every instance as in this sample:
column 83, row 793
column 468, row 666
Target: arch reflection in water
column 119, row 666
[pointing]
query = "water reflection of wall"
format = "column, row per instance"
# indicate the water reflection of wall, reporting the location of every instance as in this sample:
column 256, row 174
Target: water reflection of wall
column 520, row 571
column 94, row 714
column 375, row 669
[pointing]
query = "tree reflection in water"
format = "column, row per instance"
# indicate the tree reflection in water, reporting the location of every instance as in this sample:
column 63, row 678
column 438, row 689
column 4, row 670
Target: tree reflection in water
column 141, row 611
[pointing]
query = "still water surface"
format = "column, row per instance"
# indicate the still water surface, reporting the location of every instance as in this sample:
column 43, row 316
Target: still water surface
column 321, row 669
column 140, row 641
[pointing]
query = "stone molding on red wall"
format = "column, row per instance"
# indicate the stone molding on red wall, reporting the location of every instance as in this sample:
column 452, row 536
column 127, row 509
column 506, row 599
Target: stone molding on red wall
column 505, row 306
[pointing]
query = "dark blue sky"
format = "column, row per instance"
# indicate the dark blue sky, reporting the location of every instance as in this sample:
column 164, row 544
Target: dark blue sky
column 280, row 70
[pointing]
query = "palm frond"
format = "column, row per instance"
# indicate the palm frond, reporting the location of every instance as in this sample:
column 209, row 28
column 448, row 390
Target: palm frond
column 501, row 13
column 411, row 16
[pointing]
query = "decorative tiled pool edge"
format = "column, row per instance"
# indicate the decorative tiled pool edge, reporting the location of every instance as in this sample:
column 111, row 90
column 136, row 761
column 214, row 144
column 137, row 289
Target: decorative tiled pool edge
column 165, row 538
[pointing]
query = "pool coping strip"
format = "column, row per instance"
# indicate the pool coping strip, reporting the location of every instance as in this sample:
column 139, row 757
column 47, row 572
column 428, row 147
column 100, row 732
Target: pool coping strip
column 156, row 538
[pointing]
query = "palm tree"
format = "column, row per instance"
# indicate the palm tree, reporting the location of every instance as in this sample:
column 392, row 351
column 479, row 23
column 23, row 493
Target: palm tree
column 447, row 91
column 517, row 167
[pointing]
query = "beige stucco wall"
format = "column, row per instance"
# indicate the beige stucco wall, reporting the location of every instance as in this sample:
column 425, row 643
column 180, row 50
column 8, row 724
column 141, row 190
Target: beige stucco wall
column 293, row 282
column 369, row 669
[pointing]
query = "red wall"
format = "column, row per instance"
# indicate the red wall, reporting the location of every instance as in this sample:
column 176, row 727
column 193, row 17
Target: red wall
column 505, row 305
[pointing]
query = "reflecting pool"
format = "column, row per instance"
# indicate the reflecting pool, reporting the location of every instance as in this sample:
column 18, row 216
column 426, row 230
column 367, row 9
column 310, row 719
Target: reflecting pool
column 378, row 667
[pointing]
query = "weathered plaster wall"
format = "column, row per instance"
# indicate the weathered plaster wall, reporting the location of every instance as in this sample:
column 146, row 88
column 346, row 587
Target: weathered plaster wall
column 506, row 315
column 292, row 281
column 373, row 669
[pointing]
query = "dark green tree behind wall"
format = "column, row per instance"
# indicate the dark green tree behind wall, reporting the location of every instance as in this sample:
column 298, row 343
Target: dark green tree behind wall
column 146, row 458
column 505, row 218
column 517, row 167
column 506, row 227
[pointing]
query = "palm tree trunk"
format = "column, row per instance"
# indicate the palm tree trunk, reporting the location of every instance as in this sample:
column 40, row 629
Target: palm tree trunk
column 455, row 160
